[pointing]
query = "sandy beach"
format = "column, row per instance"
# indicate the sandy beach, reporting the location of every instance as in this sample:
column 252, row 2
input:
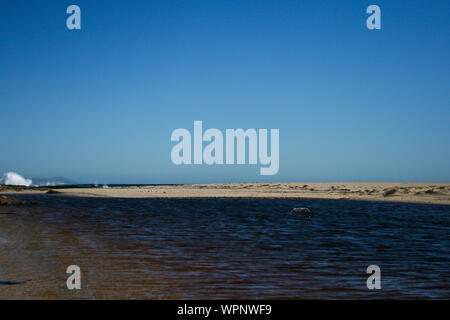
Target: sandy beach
column 436, row 193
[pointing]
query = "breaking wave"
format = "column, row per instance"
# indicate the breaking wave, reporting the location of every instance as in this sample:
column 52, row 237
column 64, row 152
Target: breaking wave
column 15, row 179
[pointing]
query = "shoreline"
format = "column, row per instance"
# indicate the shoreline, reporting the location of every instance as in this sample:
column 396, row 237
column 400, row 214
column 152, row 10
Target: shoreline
column 412, row 192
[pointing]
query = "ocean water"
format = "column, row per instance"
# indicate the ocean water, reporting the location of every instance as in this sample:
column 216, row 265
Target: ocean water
column 225, row 248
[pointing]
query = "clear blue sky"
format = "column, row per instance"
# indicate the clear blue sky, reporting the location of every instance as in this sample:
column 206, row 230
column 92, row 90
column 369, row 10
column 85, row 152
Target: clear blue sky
column 100, row 104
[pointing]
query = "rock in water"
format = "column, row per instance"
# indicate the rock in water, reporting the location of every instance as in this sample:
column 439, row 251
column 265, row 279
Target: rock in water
column 305, row 211
column 4, row 200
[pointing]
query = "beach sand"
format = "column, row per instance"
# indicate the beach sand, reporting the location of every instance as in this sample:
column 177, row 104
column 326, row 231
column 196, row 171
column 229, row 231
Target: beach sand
column 437, row 193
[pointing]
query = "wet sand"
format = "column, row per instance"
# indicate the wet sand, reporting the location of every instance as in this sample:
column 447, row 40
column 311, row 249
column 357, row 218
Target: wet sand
column 433, row 193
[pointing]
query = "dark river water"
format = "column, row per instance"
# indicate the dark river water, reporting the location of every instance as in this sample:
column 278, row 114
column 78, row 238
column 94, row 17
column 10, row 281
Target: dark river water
column 226, row 248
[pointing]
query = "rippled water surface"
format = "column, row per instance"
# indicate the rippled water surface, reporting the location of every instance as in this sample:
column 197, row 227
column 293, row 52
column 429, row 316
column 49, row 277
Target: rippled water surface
column 225, row 248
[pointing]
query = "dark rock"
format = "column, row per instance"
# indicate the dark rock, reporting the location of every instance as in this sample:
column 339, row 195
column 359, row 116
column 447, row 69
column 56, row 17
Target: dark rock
column 304, row 211
column 389, row 192
column 4, row 200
